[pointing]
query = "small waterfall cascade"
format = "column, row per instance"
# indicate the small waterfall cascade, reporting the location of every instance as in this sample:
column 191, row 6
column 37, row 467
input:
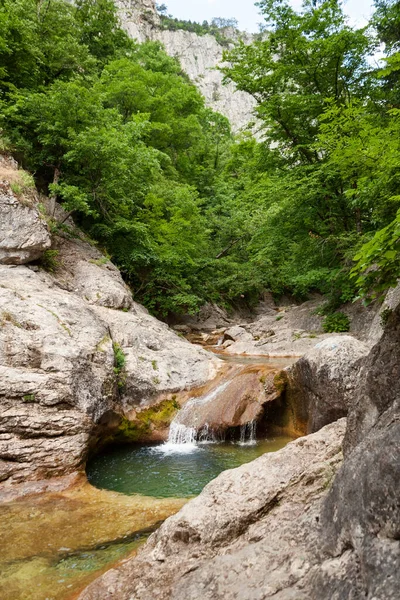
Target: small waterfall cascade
column 183, row 434
column 187, row 430
column 248, row 434
column 180, row 434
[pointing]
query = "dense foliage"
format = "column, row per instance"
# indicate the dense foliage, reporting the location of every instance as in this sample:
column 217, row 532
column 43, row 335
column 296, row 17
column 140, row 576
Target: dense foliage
column 221, row 29
column 120, row 136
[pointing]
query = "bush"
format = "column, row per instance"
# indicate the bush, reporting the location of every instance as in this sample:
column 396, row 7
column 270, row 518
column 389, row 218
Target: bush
column 49, row 261
column 336, row 323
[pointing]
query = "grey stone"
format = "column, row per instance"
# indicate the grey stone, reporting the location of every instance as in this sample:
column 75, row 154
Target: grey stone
column 58, row 387
column 322, row 384
column 23, row 234
column 199, row 56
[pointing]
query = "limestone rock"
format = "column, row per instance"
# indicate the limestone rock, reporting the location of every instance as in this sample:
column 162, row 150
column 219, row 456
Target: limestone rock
column 56, row 360
column 236, row 334
column 361, row 515
column 23, row 234
column 58, row 387
column 157, row 360
column 209, row 318
column 249, row 535
column 198, row 55
column 285, row 331
column 239, row 399
column 392, row 300
column 86, row 272
column 321, row 385
column 138, row 17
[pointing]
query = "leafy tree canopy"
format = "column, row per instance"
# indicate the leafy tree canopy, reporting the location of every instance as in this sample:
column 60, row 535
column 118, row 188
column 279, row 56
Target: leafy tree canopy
column 118, row 134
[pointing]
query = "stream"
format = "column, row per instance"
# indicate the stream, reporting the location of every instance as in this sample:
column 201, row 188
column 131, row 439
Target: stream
column 55, row 544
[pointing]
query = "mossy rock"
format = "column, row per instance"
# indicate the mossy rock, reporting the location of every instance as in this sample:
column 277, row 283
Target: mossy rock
column 280, row 381
column 153, row 418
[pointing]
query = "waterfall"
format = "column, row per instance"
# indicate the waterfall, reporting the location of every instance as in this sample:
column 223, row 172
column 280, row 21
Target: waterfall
column 183, row 433
column 180, row 434
column 187, row 429
column 248, row 434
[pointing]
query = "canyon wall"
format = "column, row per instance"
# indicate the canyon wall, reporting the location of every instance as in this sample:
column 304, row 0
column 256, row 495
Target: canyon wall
column 198, row 55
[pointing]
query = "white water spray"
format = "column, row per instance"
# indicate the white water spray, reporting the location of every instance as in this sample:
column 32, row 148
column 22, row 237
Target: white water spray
column 248, row 434
column 185, row 434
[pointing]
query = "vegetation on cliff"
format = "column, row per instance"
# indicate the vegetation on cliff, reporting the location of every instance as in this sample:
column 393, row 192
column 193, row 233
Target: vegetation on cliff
column 120, row 136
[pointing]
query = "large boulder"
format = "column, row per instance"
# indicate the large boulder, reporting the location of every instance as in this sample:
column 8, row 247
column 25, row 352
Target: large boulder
column 238, row 400
column 321, row 385
column 24, row 235
column 249, row 535
column 156, row 359
column 57, row 380
column 360, row 521
column 82, row 269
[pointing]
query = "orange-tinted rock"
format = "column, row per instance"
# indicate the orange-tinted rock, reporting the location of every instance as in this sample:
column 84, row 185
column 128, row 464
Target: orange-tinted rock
column 237, row 400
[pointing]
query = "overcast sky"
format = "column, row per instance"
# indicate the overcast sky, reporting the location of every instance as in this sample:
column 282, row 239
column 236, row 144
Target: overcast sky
column 247, row 14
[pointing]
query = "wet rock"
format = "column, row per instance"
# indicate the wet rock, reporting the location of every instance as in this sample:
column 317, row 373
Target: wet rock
column 239, row 399
column 249, row 535
column 53, row 542
column 322, row 384
column 23, row 234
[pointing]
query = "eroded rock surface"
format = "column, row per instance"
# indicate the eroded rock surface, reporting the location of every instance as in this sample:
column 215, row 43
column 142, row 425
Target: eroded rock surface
column 249, row 535
column 322, row 384
column 361, row 515
column 238, row 400
column 60, row 334
column 23, row 233
column 199, row 56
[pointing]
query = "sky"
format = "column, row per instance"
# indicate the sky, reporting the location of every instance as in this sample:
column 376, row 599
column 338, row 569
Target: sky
column 247, row 14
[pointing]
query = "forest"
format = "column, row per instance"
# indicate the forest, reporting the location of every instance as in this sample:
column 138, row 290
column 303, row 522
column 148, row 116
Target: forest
column 116, row 132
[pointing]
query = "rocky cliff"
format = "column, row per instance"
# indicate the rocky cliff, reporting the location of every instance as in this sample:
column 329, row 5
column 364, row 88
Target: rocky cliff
column 77, row 354
column 198, row 55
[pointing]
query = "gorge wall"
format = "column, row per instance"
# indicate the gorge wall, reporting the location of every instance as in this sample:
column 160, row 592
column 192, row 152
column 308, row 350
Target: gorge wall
column 198, row 55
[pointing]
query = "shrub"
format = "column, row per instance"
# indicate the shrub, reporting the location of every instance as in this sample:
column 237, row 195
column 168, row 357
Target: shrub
column 49, row 261
column 336, row 323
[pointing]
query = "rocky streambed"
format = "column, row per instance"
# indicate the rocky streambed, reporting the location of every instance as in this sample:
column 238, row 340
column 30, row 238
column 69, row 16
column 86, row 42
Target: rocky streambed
column 62, row 533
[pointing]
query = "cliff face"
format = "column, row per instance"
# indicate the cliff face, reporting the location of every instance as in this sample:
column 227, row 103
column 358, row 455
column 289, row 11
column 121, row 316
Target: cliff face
column 198, row 55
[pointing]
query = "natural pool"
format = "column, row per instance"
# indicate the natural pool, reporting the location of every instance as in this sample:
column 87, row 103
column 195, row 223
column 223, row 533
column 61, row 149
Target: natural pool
column 171, row 471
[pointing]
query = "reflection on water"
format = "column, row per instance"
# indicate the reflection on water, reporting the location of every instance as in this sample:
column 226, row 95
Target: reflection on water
column 151, row 471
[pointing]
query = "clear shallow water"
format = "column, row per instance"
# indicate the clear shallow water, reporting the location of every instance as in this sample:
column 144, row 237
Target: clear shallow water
column 56, row 543
column 166, row 471
column 275, row 362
